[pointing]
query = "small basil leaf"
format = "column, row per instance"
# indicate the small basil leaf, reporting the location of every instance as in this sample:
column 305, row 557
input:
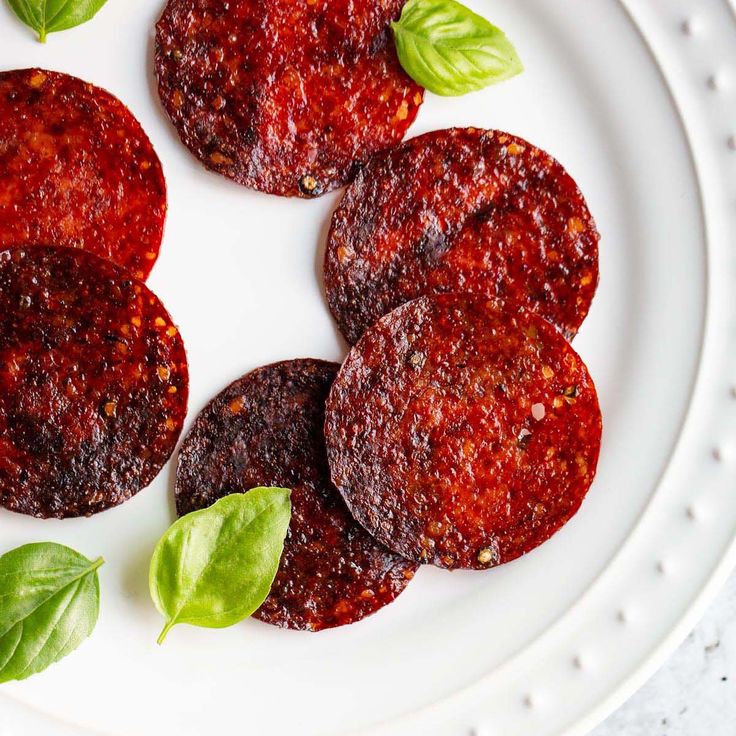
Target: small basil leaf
column 49, row 602
column 450, row 50
column 48, row 16
column 215, row 567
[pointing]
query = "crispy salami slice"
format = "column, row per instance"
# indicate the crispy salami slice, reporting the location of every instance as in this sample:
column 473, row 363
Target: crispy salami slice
column 462, row 210
column 77, row 170
column 462, row 435
column 290, row 97
column 266, row 428
column 93, row 383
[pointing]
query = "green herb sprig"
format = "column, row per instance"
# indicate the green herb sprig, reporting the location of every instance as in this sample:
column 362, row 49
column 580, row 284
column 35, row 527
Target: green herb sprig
column 451, row 50
column 49, row 603
column 49, row 16
column 215, row 567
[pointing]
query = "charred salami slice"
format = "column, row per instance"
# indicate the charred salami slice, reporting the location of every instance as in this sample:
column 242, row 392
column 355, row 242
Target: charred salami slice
column 93, row 383
column 77, row 170
column 462, row 210
column 290, row 97
column 462, row 435
column 267, row 429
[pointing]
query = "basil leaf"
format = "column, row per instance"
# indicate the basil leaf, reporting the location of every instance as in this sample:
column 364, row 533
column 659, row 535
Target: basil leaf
column 215, row 567
column 48, row 16
column 450, row 50
column 49, row 602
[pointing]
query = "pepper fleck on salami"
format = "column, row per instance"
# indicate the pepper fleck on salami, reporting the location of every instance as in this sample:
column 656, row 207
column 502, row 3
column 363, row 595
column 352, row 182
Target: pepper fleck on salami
column 462, row 435
column 77, row 170
column 462, row 210
column 266, row 428
column 93, row 383
column 290, row 97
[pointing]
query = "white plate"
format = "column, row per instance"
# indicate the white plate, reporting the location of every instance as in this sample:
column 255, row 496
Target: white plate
column 634, row 98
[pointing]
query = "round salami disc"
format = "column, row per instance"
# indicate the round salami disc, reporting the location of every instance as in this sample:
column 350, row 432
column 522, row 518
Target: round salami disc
column 267, row 429
column 290, row 97
column 462, row 210
column 93, row 383
column 462, row 435
column 77, row 170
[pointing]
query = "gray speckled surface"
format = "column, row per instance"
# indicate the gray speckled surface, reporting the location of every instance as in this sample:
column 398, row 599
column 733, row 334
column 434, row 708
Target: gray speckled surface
column 694, row 693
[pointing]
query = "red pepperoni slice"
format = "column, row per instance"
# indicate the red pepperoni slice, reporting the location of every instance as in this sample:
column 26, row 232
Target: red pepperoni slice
column 462, row 210
column 93, row 383
column 462, row 435
column 290, row 97
column 77, row 170
column 266, row 429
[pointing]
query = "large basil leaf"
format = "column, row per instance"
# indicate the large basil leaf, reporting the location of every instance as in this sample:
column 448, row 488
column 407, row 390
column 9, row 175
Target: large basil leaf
column 48, row 16
column 215, row 567
column 450, row 50
column 49, row 602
